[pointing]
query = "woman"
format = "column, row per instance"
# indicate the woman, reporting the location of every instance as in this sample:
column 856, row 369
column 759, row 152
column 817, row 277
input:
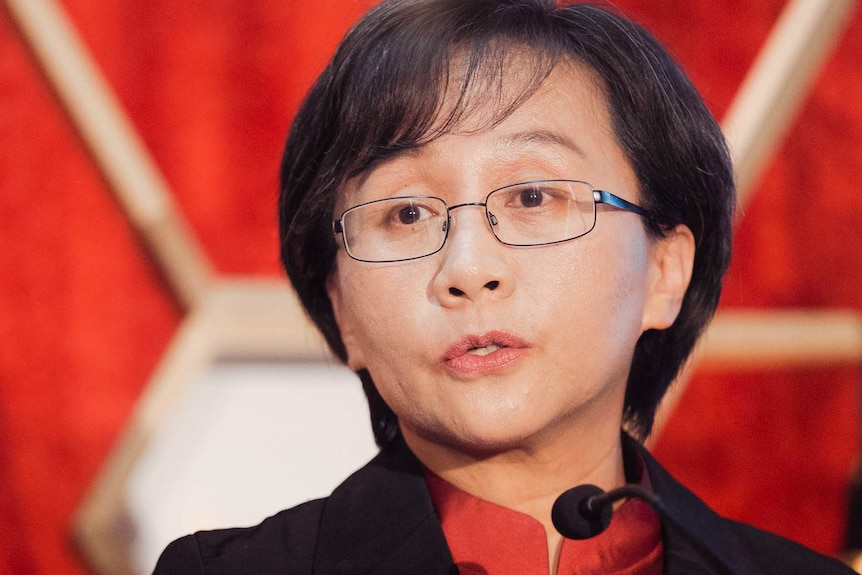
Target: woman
column 511, row 220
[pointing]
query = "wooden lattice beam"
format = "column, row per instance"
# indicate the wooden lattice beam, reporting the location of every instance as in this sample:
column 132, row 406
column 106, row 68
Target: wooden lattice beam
column 116, row 147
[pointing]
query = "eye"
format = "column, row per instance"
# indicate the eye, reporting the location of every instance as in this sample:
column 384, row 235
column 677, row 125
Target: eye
column 531, row 197
column 408, row 212
column 409, row 215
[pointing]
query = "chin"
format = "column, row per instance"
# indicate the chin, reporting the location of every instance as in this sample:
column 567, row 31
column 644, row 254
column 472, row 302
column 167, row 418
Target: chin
column 481, row 437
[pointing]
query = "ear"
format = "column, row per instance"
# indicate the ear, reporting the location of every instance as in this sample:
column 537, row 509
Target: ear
column 347, row 322
column 672, row 260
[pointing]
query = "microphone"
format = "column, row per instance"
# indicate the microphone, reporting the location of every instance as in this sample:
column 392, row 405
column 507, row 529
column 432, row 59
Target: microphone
column 586, row 510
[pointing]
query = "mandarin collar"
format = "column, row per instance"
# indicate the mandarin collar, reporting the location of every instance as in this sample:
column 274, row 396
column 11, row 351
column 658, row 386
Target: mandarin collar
column 382, row 521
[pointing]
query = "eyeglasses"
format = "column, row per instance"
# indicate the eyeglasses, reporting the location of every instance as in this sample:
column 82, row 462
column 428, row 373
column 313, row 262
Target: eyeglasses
column 521, row 215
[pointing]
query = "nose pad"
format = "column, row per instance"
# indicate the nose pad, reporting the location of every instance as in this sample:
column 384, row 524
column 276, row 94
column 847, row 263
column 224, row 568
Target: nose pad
column 447, row 224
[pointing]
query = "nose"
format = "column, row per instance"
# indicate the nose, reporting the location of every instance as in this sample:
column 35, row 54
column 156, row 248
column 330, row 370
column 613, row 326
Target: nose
column 473, row 264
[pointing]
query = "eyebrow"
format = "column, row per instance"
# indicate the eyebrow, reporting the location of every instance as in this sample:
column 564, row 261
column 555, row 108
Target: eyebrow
column 541, row 137
column 510, row 140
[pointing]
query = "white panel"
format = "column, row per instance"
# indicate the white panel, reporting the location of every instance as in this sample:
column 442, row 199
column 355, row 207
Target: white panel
column 247, row 441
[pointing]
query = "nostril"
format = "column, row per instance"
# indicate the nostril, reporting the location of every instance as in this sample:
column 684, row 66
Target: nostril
column 455, row 291
column 492, row 285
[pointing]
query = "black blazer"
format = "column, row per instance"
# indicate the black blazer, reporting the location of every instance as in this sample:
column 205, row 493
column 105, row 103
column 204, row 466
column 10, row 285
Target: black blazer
column 381, row 521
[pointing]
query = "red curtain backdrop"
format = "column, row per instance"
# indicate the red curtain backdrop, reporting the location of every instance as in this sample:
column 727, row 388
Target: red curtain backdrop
column 212, row 87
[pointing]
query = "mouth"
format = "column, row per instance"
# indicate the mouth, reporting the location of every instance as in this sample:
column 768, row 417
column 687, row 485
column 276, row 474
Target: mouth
column 484, row 344
column 484, row 353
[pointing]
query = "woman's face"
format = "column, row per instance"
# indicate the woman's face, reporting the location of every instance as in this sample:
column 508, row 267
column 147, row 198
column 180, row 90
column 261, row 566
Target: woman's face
column 486, row 347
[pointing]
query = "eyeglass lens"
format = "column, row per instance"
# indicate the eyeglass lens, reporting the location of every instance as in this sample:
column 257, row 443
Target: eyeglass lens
column 529, row 214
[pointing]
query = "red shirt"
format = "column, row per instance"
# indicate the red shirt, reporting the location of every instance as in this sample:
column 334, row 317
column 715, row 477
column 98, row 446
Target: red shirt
column 489, row 539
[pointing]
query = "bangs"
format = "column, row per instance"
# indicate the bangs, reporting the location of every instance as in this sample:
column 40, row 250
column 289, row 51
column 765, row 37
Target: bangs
column 408, row 82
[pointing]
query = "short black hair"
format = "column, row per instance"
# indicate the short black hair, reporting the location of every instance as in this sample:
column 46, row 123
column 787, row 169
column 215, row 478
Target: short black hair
column 377, row 97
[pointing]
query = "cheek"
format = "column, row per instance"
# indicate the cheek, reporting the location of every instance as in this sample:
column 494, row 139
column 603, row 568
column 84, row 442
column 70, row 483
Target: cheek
column 599, row 287
column 391, row 335
column 383, row 310
column 626, row 294
column 627, row 285
column 367, row 312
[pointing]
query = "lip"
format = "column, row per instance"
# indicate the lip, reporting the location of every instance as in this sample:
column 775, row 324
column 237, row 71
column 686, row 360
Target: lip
column 512, row 348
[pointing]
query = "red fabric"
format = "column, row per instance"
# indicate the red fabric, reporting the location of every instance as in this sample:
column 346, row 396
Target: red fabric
column 85, row 316
column 489, row 539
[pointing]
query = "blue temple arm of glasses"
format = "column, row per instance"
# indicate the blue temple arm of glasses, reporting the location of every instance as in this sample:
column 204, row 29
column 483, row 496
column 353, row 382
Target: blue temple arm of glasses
column 603, row 197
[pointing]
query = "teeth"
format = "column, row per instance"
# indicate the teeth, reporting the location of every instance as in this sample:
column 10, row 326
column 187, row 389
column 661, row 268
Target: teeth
column 489, row 349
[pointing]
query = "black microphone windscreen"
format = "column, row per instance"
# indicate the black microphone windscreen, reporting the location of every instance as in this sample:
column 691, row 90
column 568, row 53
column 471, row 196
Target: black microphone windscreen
column 574, row 519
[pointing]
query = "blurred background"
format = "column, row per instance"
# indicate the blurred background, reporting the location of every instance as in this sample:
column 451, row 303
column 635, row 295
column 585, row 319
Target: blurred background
column 86, row 314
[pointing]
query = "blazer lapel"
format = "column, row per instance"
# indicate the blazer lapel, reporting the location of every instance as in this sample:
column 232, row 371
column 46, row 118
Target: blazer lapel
column 381, row 521
column 717, row 549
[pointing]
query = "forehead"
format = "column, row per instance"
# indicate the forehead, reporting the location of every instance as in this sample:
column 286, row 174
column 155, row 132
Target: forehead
column 563, row 125
column 569, row 102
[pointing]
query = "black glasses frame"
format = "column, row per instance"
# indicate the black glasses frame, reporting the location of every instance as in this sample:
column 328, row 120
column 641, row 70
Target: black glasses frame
column 599, row 197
